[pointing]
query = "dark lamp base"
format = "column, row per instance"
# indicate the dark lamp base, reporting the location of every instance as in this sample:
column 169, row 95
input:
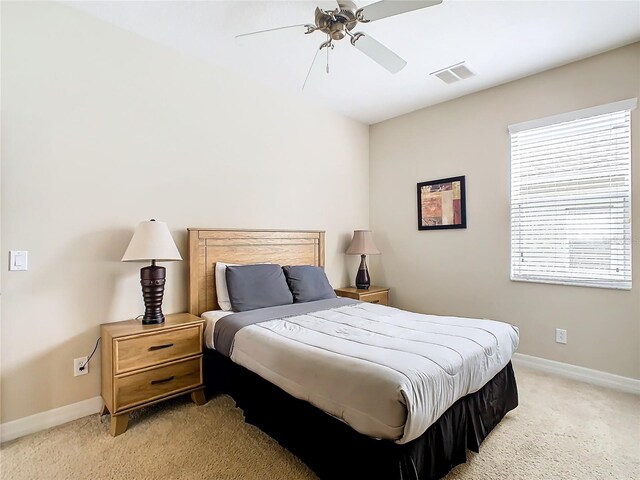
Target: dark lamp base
column 153, row 320
column 152, row 279
column 363, row 281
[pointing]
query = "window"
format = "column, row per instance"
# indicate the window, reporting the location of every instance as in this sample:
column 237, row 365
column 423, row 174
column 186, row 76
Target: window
column 571, row 198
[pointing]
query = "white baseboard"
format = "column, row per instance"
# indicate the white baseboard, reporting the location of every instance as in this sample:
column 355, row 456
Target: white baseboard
column 587, row 375
column 50, row 418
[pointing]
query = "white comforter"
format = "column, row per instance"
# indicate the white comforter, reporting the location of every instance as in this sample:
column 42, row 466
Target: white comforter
column 386, row 372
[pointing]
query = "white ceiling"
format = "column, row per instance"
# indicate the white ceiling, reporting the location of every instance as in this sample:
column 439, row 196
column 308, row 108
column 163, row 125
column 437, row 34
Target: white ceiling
column 500, row 41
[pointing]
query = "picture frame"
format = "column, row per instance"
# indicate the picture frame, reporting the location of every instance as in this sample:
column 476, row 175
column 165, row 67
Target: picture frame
column 442, row 204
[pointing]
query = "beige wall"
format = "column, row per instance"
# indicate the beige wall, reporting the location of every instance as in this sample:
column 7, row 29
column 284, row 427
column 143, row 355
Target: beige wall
column 102, row 129
column 466, row 272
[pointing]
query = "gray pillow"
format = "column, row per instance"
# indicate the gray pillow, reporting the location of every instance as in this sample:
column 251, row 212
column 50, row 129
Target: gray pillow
column 308, row 283
column 257, row 286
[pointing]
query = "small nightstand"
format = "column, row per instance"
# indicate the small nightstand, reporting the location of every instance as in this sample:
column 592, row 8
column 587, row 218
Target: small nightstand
column 146, row 364
column 372, row 294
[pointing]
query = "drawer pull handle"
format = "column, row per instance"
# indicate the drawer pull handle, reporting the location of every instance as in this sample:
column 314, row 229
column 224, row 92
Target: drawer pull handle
column 375, row 301
column 160, row 347
column 164, row 380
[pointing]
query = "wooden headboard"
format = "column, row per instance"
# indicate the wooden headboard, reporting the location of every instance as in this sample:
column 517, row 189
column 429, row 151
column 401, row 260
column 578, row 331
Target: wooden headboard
column 210, row 245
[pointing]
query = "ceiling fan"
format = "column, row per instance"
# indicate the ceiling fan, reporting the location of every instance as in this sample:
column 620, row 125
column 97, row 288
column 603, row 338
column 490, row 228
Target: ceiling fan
column 338, row 23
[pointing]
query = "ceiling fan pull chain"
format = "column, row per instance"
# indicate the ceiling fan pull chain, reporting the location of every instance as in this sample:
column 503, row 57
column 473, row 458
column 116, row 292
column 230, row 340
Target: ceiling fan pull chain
column 328, row 60
column 329, row 42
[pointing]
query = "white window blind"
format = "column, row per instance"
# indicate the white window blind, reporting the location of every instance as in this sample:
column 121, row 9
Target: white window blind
column 571, row 200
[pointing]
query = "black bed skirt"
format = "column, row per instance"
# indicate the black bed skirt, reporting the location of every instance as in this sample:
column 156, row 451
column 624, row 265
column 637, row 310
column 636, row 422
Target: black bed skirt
column 333, row 450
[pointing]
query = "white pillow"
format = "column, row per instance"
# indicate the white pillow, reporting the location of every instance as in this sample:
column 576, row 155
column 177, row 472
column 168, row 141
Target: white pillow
column 222, row 291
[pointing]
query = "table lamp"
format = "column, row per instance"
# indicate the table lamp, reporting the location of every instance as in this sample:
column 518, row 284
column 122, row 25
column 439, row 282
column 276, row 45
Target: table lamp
column 152, row 241
column 362, row 244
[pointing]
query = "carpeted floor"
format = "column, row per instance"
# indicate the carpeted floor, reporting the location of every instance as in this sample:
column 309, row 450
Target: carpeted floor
column 561, row 430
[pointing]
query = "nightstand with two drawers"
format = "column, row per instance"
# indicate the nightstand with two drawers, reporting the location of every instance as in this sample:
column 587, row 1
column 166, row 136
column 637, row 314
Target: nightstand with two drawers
column 146, row 364
column 372, row 294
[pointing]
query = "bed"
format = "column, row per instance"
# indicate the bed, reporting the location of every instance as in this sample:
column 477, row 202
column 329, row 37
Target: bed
column 404, row 407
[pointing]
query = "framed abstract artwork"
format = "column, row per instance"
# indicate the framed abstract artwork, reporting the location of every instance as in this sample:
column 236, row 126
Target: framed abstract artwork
column 441, row 204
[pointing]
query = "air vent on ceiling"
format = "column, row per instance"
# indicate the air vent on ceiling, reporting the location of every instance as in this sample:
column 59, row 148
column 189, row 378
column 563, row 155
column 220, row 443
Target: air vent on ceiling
column 453, row 73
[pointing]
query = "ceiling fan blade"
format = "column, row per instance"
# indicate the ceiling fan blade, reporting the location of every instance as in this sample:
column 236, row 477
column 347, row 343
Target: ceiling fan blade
column 347, row 4
column 314, row 66
column 269, row 30
column 389, row 8
column 379, row 53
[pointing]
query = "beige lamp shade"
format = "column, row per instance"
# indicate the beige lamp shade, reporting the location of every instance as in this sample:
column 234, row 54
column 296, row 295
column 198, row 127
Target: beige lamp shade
column 152, row 241
column 362, row 244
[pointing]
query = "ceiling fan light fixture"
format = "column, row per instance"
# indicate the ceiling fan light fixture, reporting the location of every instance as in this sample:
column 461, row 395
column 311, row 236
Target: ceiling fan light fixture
column 338, row 31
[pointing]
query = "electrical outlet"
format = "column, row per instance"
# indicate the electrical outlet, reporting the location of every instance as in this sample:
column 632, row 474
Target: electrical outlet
column 561, row 335
column 77, row 363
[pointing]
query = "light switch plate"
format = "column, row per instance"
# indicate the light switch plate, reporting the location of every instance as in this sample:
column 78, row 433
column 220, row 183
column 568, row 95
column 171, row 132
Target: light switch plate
column 18, row 260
